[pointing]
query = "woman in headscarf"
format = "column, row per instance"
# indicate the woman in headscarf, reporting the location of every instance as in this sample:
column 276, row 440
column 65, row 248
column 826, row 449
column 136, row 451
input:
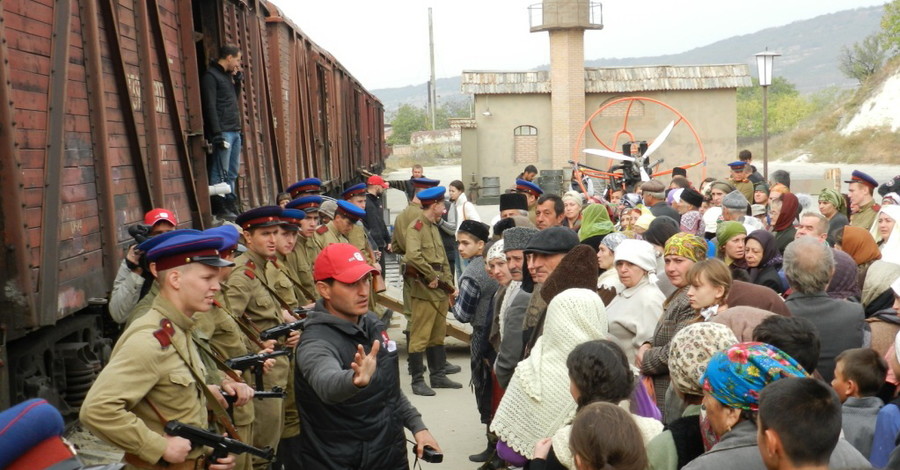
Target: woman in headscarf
column 844, row 284
column 886, row 232
column 689, row 352
column 573, row 202
column 731, row 386
column 594, row 223
column 730, row 238
column 763, row 260
column 833, row 207
column 786, row 208
column 688, row 206
column 608, row 285
column 598, row 373
column 660, row 230
column 681, row 251
column 538, row 401
column 633, row 314
column 859, row 244
column 876, row 292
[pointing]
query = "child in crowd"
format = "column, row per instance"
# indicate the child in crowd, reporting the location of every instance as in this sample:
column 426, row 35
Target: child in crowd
column 858, row 375
column 604, row 436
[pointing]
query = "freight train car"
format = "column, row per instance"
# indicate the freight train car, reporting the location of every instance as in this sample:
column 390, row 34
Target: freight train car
column 101, row 120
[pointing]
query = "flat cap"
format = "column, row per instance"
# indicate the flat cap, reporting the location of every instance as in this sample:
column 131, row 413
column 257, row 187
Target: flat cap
column 860, row 177
column 328, row 207
column 552, row 240
column 477, row 229
column 517, row 238
column 524, row 186
column 653, row 186
column 305, row 186
column 306, row 203
column 735, row 200
column 513, row 201
column 350, row 211
column 264, row 216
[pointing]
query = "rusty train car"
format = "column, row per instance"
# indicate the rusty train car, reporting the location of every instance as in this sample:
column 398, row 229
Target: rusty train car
column 101, row 120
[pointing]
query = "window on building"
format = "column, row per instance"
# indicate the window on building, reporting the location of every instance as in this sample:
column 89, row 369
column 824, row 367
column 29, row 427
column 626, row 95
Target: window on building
column 525, row 144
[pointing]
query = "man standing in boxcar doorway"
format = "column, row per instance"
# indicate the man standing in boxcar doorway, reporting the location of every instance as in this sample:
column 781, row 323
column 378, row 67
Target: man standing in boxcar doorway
column 220, row 88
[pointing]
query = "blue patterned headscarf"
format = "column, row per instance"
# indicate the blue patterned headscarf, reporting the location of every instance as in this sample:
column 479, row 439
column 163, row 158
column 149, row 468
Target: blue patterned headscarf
column 737, row 375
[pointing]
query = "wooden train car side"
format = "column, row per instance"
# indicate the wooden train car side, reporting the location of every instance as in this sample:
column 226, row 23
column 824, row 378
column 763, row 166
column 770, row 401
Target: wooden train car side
column 101, row 120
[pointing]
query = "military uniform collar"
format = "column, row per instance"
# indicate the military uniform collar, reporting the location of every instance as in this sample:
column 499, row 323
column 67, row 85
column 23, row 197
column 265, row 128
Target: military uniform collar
column 256, row 258
column 867, row 206
column 168, row 310
column 425, row 219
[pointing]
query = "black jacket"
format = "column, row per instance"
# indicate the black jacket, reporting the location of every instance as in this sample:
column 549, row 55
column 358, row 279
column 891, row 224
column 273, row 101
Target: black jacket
column 220, row 91
column 374, row 222
column 345, row 427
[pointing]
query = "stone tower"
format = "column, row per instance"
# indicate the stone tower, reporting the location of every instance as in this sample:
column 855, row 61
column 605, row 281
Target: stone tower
column 566, row 21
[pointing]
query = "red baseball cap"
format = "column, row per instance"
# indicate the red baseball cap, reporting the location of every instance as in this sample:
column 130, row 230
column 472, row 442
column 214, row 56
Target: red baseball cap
column 375, row 179
column 341, row 262
column 158, row 215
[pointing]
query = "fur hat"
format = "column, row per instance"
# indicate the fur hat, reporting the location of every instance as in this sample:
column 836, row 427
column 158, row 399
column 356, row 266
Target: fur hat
column 477, row 229
column 578, row 269
column 513, row 201
column 517, row 238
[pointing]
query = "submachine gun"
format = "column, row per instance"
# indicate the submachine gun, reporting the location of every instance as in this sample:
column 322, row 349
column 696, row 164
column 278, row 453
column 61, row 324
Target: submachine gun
column 221, row 445
column 256, row 361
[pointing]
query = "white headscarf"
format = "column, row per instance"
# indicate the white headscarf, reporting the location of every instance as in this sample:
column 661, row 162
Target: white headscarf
column 640, row 253
column 496, row 251
column 537, row 401
column 890, row 248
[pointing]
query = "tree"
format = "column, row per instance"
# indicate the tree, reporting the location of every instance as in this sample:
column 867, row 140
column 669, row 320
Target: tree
column 863, row 59
column 407, row 120
column 786, row 108
column 890, row 27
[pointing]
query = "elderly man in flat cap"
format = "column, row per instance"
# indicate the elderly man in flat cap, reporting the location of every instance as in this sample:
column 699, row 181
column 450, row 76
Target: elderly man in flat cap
column 654, row 194
column 515, row 302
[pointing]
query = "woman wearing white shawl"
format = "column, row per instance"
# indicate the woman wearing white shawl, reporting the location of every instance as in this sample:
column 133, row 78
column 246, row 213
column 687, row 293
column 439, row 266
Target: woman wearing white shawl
column 886, row 232
column 634, row 312
column 537, row 401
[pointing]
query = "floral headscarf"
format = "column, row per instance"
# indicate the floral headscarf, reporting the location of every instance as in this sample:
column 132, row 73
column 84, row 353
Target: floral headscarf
column 612, row 240
column 736, row 376
column 594, row 221
column 687, row 245
column 690, row 351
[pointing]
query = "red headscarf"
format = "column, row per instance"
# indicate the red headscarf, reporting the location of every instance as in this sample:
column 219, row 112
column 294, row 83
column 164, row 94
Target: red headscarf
column 789, row 207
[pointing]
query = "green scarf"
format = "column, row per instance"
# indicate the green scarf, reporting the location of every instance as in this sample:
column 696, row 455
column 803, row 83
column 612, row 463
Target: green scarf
column 594, row 221
column 834, row 197
column 728, row 230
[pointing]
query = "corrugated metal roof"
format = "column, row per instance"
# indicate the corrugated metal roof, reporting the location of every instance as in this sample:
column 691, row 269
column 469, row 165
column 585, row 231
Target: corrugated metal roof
column 614, row 79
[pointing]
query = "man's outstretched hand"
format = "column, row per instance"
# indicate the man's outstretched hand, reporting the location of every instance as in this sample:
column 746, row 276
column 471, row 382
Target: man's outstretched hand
column 364, row 364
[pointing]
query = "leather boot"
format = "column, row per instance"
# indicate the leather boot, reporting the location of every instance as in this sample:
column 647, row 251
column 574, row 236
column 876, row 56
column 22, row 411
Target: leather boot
column 417, row 371
column 451, row 368
column 487, row 453
column 436, row 359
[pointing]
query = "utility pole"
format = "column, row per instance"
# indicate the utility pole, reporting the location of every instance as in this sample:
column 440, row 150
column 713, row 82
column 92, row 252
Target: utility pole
column 432, row 92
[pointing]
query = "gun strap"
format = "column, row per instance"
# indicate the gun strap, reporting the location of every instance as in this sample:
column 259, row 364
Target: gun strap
column 244, row 323
column 297, row 284
column 276, row 295
column 219, row 412
column 217, row 359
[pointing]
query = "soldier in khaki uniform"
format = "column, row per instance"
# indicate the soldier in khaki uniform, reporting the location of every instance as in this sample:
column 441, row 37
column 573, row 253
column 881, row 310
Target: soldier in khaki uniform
column 250, row 294
column 532, row 192
column 862, row 188
column 425, row 254
column 398, row 241
column 306, row 248
column 740, row 178
column 345, row 218
column 220, row 334
column 155, row 373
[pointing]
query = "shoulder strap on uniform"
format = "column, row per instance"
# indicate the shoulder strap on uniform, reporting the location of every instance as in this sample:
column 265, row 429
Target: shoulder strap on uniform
column 164, row 333
column 322, row 229
column 418, row 225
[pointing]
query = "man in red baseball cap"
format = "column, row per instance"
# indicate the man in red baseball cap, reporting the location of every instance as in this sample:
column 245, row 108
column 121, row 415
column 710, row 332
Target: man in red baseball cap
column 160, row 221
column 347, row 375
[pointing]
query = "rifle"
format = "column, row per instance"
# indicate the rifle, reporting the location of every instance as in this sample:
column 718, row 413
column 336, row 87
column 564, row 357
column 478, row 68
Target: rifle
column 256, row 361
column 221, row 445
column 283, row 329
column 415, row 274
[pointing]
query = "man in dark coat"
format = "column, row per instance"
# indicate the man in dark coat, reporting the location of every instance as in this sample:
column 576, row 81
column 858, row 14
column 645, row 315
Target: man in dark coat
column 654, row 195
column 347, row 383
column 220, row 88
column 808, row 264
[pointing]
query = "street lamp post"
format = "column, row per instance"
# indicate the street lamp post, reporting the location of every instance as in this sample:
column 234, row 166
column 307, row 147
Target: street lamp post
column 764, row 63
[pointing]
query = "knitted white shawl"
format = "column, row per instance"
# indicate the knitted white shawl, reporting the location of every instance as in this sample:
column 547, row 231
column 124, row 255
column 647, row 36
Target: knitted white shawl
column 537, row 401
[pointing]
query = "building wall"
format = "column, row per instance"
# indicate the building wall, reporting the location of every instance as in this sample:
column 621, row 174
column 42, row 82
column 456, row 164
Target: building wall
column 488, row 149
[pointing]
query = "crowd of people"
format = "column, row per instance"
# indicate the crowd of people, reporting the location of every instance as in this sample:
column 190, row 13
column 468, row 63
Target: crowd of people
column 729, row 323
column 733, row 322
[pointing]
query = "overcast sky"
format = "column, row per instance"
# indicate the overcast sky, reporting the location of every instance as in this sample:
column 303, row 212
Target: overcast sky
column 384, row 43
